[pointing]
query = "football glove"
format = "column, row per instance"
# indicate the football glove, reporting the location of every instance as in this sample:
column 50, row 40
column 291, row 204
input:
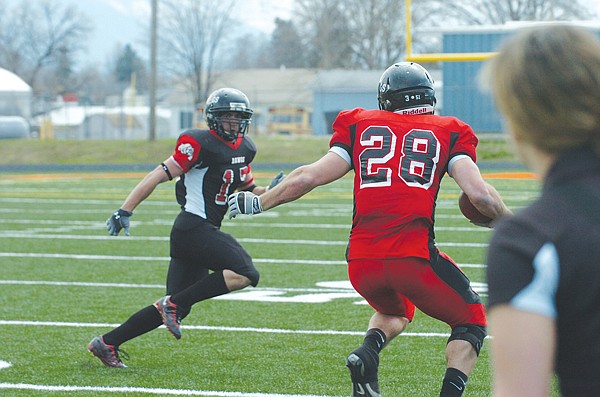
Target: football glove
column 276, row 181
column 244, row 203
column 119, row 220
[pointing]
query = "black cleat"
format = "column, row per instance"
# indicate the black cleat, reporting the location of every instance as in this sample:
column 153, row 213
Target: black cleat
column 170, row 317
column 108, row 354
column 363, row 364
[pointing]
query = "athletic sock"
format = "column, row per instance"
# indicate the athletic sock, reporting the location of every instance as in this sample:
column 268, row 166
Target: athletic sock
column 139, row 323
column 206, row 288
column 454, row 383
column 375, row 339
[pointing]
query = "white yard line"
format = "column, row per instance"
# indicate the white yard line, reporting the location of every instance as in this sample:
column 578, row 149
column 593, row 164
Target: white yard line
column 100, row 225
column 30, row 235
column 215, row 328
column 146, row 390
column 47, row 255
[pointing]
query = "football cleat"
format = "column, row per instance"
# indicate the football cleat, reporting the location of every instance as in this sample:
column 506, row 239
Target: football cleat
column 108, row 354
column 363, row 364
column 170, row 316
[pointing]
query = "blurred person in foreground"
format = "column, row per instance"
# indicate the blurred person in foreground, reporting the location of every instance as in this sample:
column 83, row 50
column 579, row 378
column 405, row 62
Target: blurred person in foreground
column 205, row 262
column 543, row 267
column 399, row 155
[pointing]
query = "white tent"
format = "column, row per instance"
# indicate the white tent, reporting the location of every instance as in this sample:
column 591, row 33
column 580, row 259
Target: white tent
column 15, row 105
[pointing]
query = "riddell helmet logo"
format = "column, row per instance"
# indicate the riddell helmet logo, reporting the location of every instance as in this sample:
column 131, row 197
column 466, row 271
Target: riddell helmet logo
column 237, row 106
column 187, row 149
column 419, row 110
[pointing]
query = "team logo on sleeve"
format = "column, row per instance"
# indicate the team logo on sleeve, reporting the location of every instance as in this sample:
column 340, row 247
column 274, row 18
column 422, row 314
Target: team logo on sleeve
column 187, row 149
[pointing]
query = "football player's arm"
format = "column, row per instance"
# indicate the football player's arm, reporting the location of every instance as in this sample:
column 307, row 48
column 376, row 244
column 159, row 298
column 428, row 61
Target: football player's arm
column 258, row 190
column 483, row 195
column 147, row 185
column 305, row 178
column 120, row 218
column 522, row 351
column 299, row 182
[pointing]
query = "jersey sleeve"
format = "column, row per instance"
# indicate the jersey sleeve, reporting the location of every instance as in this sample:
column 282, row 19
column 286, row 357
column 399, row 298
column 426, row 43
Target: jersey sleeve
column 511, row 267
column 187, row 151
column 466, row 143
column 341, row 140
column 248, row 180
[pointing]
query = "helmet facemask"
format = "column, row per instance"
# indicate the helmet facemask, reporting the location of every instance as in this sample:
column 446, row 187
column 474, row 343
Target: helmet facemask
column 229, row 124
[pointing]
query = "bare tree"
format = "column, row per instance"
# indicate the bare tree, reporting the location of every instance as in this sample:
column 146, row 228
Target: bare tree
column 35, row 35
column 323, row 25
column 248, row 52
column 480, row 12
column 190, row 34
column 377, row 30
column 360, row 34
column 286, row 45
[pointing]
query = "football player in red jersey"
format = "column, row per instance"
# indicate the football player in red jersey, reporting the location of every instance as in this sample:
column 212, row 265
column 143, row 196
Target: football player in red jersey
column 205, row 262
column 399, row 155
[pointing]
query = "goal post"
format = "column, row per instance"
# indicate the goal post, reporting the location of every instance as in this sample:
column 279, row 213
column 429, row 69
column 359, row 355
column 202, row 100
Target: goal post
column 437, row 57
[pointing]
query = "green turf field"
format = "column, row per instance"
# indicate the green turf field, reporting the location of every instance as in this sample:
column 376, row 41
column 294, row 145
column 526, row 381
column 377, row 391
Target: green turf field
column 64, row 281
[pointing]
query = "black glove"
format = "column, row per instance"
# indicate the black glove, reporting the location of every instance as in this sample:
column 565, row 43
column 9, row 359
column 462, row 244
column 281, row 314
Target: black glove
column 244, row 203
column 119, row 220
column 276, row 181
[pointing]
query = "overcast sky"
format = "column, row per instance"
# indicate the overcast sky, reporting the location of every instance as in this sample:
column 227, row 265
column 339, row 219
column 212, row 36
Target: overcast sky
column 120, row 22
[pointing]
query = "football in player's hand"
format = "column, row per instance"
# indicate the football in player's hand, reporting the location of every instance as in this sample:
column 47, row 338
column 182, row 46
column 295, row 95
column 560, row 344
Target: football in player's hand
column 470, row 211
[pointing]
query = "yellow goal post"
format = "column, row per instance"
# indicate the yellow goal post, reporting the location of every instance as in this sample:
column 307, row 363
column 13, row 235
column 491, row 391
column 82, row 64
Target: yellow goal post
column 438, row 57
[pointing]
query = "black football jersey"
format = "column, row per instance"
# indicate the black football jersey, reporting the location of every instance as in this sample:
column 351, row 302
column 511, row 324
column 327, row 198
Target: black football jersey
column 214, row 168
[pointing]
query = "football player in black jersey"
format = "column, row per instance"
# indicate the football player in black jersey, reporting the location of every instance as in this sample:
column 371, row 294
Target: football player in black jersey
column 205, row 262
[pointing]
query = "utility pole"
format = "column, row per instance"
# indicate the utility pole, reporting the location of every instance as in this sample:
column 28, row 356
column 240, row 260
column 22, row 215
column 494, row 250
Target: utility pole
column 153, row 45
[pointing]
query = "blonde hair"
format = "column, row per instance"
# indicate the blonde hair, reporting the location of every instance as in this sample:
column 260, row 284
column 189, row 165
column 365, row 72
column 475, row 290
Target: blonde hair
column 546, row 82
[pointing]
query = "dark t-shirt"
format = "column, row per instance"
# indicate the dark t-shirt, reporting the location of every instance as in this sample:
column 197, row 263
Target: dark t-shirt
column 546, row 260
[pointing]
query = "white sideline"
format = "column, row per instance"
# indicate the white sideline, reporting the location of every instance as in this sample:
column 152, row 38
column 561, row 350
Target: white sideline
column 50, row 236
column 166, row 259
column 245, row 223
column 216, row 328
column 170, row 392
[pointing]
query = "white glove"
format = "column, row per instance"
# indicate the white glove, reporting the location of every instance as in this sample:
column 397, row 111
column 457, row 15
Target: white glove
column 244, row 203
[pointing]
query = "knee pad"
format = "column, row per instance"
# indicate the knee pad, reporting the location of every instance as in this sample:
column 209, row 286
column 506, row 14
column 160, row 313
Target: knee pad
column 474, row 334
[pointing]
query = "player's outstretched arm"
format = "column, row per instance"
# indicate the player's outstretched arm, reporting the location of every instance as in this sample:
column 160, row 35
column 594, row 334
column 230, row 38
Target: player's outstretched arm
column 120, row 218
column 299, row 182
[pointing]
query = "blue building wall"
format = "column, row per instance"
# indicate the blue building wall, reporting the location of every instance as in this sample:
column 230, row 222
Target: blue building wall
column 462, row 96
column 328, row 104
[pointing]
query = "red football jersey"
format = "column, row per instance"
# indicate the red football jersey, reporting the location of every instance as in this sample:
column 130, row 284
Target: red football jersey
column 398, row 161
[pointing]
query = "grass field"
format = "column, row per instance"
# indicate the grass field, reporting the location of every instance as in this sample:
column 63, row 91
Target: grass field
column 271, row 149
column 64, row 281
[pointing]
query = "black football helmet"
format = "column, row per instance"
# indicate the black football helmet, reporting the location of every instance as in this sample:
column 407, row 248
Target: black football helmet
column 406, row 87
column 228, row 100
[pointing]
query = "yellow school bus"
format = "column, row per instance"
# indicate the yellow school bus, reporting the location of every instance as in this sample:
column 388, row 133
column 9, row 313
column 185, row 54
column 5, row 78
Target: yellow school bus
column 288, row 120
